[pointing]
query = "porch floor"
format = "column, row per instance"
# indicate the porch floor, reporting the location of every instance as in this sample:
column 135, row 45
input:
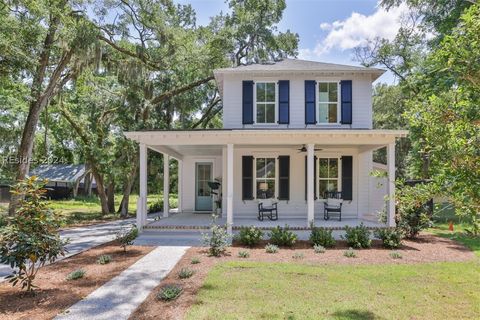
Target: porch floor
column 190, row 220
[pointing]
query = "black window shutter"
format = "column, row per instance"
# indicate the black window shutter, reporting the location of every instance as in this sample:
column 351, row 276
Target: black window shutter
column 347, row 173
column 284, row 102
column 247, row 102
column 310, row 115
column 346, row 95
column 284, row 177
column 314, row 177
column 247, row 177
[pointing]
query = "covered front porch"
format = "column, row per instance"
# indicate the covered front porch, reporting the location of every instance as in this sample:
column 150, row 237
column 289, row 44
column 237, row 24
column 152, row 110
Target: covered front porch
column 196, row 221
column 221, row 153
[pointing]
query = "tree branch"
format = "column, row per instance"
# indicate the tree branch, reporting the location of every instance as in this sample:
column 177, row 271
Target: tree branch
column 169, row 94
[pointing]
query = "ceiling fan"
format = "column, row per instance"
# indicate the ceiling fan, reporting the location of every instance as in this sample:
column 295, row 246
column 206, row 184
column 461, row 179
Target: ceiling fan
column 304, row 149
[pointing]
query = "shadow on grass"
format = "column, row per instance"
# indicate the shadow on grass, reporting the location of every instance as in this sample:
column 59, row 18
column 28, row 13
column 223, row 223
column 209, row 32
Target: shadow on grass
column 356, row 314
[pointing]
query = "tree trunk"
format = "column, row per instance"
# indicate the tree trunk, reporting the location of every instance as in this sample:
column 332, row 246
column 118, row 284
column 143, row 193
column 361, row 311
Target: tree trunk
column 101, row 191
column 111, row 196
column 127, row 189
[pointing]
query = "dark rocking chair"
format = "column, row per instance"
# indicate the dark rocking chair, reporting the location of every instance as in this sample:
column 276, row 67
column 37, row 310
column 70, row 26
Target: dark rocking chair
column 332, row 204
column 267, row 208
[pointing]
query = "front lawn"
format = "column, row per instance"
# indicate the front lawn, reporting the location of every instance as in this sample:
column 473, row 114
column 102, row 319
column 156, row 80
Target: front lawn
column 258, row 290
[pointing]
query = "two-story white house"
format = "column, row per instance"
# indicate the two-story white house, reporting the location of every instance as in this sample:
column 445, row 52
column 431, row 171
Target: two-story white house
column 294, row 131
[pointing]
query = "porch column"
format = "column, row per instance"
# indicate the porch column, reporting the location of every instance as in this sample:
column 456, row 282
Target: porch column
column 179, row 184
column 142, row 197
column 391, row 184
column 229, row 188
column 166, row 184
column 310, row 181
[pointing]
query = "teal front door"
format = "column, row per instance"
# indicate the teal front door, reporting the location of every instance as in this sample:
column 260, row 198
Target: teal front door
column 203, row 195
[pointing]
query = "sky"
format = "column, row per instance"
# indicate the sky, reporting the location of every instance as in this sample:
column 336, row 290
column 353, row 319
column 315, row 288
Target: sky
column 328, row 29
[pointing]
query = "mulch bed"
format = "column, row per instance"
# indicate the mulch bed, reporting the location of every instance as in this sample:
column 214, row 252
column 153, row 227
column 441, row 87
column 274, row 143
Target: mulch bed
column 56, row 293
column 427, row 248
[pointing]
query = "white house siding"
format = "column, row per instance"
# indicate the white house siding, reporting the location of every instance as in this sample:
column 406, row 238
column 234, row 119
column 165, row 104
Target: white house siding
column 361, row 96
column 188, row 177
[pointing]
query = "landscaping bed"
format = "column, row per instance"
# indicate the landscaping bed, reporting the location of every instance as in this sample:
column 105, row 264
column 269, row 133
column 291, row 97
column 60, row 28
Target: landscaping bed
column 55, row 293
column 426, row 249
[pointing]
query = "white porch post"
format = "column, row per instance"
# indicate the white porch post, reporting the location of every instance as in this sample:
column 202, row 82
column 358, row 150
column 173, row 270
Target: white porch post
column 391, row 184
column 166, row 185
column 310, row 181
column 142, row 197
column 229, row 188
column 180, row 184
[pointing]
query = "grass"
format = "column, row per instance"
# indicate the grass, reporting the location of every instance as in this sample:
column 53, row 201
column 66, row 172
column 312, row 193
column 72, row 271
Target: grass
column 257, row 290
column 442, row 218
column 84, row 210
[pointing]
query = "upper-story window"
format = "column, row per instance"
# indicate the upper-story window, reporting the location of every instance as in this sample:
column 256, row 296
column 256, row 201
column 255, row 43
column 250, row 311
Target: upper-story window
column 265, row 102
column 328, row 102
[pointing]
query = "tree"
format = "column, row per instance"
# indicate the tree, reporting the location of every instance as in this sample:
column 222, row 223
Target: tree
column 31, row 237
column 61, row 36
column 446, row 114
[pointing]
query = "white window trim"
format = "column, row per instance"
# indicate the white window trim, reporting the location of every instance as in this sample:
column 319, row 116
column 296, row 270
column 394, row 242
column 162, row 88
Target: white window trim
column 255, row 103
column 317, row 174
column 275, row 196
column 317, row 104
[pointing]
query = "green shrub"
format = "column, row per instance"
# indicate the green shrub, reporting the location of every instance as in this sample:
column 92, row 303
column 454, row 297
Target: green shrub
column 358, row 237
column 350, row 253
column 391, row 238
column 31, row 237
column 243, row 254
column 104, row 259
column 318, row 248
column 195, row 260
column 170, row 292
column 322, row 237
column 217, row 239
column 185, row 273
column 157, row 206
column 126, row 236
column 298, row 255
column 77, row 274
column 282, row 236
column 250, row 236
column 271, row 248
column 395, row 255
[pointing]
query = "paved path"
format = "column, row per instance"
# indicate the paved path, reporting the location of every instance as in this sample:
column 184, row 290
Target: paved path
column 83, row 238
column 119, row 297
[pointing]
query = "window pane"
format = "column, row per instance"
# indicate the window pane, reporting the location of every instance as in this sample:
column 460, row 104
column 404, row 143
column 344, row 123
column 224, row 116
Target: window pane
column 332, row 113
column 269, row 191
column 323, row 92
column 260, row 113
column 260, row 92
column 323, row 168
column 332, row 185
column 270, row 92
column 323, row 113
column 333, row 168
column 260, row 167
column 323, row 87
column 322, row 187
column 332, row 94
column 270, row 113
column 270, row 167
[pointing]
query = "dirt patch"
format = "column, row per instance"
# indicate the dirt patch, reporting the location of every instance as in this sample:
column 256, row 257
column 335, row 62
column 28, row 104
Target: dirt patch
column 56, row 293
column 427, row 248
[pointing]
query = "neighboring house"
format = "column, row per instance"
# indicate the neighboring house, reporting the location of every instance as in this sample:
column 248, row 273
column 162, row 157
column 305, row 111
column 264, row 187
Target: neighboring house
column 64, row 180
column 292, row 130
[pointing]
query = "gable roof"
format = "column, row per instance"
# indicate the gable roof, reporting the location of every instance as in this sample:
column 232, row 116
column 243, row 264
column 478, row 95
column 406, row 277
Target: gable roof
column 59, row 172
column 288, row 65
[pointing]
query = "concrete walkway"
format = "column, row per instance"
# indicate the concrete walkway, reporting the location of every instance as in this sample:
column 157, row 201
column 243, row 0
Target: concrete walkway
column 83, row 238
column 119, row 297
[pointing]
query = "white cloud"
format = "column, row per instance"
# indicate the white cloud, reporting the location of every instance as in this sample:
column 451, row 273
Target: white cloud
column 357, row 30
